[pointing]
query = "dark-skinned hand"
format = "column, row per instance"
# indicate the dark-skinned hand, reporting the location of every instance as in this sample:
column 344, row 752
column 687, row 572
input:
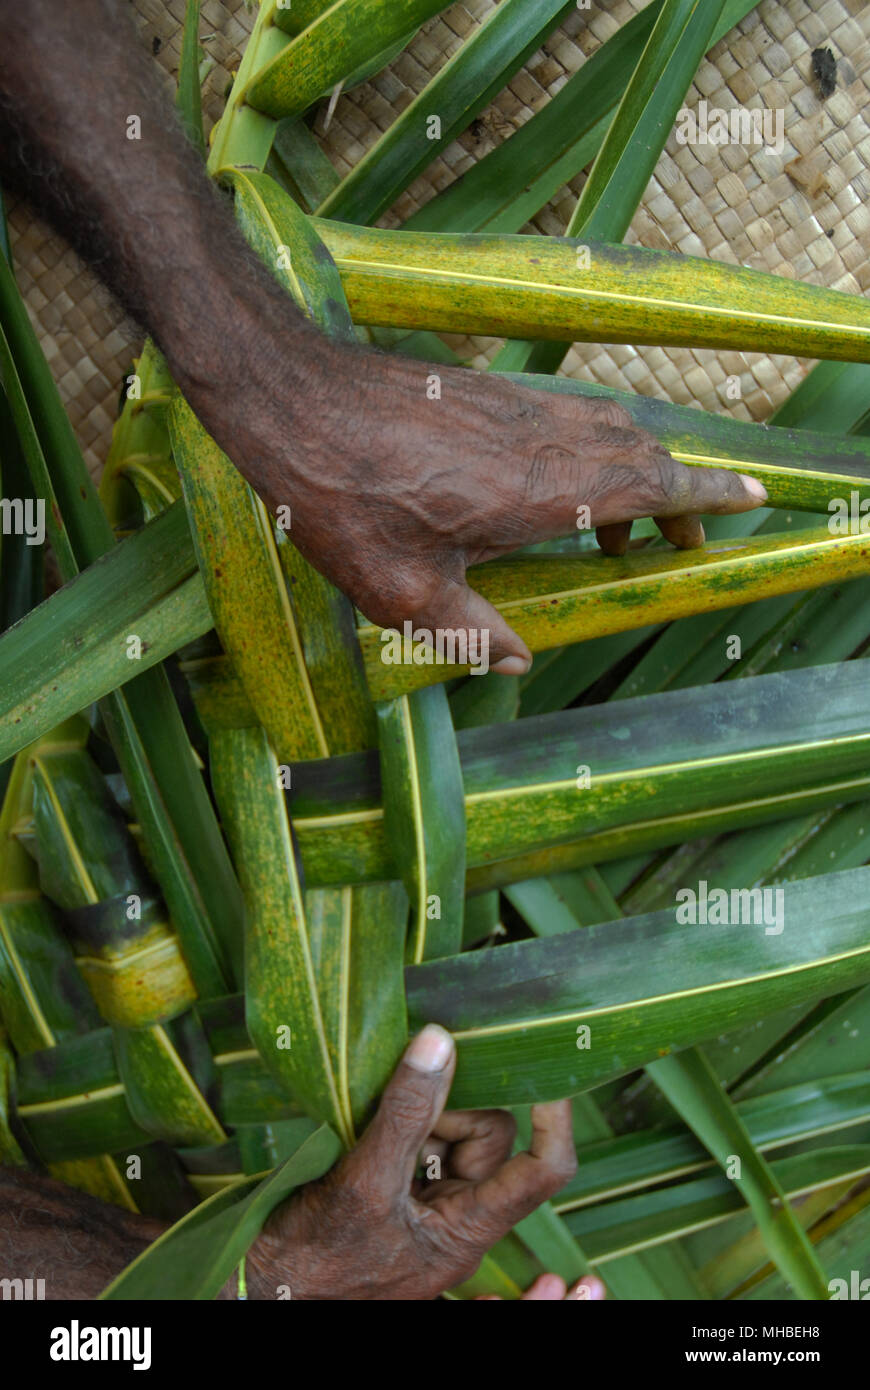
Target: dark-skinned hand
column 372, row 1230
column 394, row 495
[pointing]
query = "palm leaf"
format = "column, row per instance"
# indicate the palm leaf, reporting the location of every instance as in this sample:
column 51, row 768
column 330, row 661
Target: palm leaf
column 523, row 1002
column 843, row 1244
column 549, row 600
column 349, row 36
column 645, row 762
column 140, row 480
column 507, row 187
column 122, row 1036
column 128, row 956
column 244, row 136
column 694, row 1091
column 834, row 395
column 508, row 286
column 163, row 605
column 357, row 940
column 284, row 1015
column 21, row 564
column 425, row 816
column 286, row 242
column 238, row 560
column 189, row 97
column 644, row 118
column 692, row 1088
column 772, row 1119
column 194, row 1259
column 149, row 736
column 11, row 1153
column 487, row 60
column 634, row 140
column 643, row 1222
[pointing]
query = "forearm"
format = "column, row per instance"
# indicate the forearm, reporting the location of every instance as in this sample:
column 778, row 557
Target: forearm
column 77, row 1244
column 393, row 493
column 72, row 1241
column 142, row 211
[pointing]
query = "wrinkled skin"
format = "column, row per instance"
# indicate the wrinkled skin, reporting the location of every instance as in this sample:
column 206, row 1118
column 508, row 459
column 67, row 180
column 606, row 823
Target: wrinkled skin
column 398, row 498
column 371, row 1230
column 392, row 494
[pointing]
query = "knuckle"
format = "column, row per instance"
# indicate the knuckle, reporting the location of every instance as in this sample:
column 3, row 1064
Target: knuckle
column 609, row 412
column 551, row 468
column 547, row 1178
column 624, row 484
column 407, row 1111
column 619, row 439
column 502, row 1126
column 564, row 1169
column 546, row 1186
column 559, row 1172
column 479, row 1232
column 674, row 479
column 412, row 594
column 648, row 478
column 408, row 1106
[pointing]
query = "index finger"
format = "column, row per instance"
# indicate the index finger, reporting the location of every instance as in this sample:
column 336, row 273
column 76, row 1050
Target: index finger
column 492, row 1207
column 688, row 489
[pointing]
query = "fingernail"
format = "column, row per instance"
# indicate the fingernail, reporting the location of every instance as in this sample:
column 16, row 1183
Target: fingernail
column 431, row 1050
column 589, row 1290
column 512, row 666
column 754, row 487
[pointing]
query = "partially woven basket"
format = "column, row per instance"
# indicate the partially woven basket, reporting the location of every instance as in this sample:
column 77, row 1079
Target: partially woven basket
column 802, row 213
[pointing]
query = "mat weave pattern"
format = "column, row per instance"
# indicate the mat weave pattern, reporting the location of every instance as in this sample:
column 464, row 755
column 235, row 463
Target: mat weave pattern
column 804, row 213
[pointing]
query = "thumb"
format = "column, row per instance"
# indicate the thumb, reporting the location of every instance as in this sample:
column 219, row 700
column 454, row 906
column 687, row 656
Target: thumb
column 492, row 643
column 384, row 1161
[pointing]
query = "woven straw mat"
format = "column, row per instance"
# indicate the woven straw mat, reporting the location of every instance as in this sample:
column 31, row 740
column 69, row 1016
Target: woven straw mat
column 733, row 203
